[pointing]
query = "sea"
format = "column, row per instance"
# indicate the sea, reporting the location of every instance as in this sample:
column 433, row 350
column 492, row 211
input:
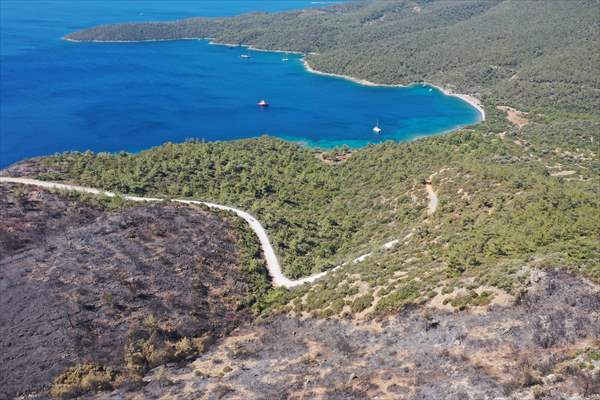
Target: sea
column 58, row 96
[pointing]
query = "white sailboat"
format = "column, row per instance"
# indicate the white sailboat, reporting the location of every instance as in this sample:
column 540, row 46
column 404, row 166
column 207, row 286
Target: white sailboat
column 376, row 129
column 285, row 58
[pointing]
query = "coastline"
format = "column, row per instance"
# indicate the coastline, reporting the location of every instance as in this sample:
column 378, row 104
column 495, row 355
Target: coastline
column 209, row 40
column 125, row 41
column 472, row 100
column 251, row 48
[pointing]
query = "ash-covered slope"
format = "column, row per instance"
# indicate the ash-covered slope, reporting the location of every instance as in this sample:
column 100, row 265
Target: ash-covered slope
column 541, row 347
column 125, row 287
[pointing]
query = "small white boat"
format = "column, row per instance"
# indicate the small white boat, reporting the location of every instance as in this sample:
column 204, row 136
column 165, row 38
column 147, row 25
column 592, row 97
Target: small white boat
column 285, row 58
column 245, row 56
column 376, row 129
column 263, row 103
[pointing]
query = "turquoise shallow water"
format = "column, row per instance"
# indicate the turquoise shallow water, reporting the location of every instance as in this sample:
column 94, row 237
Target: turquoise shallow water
column 57, row 95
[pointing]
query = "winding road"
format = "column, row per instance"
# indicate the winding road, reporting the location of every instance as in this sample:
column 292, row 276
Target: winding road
column 272, row 262
column 270, row 257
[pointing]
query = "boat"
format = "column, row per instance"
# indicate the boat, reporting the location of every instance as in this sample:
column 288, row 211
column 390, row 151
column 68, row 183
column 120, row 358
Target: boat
column 376, row 129
column 285, row 58
column 263, row 103
column 245, row 56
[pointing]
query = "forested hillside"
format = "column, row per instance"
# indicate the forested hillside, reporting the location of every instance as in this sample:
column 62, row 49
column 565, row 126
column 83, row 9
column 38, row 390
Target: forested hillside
column 533, row 53
column 509, row 207
column 520, row 187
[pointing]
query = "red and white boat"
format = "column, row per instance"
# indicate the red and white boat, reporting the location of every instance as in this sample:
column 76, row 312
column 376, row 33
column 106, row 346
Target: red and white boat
column 263, row 103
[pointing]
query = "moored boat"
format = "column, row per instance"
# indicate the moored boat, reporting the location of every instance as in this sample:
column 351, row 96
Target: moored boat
column 263, row 103
column 376, row 129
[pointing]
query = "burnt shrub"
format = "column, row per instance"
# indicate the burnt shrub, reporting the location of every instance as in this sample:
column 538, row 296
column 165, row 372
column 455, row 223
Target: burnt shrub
column 549, row 329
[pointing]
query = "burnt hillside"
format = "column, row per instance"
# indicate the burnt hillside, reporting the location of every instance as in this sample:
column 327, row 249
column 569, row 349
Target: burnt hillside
column 121, row 286
column 545, row 346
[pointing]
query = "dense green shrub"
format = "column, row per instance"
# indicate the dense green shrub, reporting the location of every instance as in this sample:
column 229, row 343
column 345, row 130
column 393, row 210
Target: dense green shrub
column 361, row 303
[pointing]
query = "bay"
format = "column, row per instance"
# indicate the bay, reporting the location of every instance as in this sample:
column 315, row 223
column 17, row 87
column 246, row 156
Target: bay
column 57, row 95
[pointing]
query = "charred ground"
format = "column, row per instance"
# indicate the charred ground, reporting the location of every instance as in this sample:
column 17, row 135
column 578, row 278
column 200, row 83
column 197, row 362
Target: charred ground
column 102, row 284
column 542, row 347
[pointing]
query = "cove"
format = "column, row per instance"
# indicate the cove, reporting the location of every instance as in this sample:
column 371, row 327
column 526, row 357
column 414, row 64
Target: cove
column 58, row 96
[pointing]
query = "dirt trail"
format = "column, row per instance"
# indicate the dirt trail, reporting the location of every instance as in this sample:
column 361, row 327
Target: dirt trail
column 515, row 116
column 433, row 199
column 432, row 195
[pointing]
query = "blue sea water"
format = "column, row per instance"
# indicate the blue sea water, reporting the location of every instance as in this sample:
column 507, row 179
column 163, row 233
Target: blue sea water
column 57, row 95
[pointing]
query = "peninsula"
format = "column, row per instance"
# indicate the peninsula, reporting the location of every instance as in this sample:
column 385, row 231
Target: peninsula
column 463, row 46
